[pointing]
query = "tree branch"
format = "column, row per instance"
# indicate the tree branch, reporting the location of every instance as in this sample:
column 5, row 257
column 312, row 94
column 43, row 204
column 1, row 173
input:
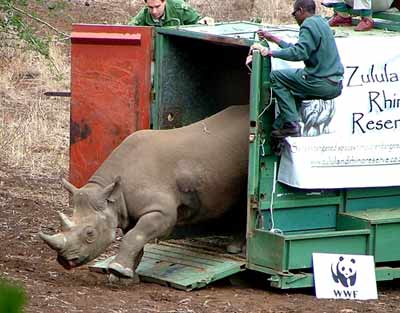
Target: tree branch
column 39, row 20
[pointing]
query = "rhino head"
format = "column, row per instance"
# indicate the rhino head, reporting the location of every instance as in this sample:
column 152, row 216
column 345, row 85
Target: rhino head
column 90, row 230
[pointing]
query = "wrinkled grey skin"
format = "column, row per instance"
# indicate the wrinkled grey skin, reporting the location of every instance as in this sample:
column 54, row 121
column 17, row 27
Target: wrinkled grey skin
column 154, row 180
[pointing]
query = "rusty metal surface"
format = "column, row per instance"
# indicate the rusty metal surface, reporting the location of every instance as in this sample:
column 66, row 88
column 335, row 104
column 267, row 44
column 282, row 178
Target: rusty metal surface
column 110, row 92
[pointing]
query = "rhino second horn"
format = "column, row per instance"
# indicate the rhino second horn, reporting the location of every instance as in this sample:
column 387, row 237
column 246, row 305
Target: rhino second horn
column 66, row 223
column 67, row 185
column 56, row 242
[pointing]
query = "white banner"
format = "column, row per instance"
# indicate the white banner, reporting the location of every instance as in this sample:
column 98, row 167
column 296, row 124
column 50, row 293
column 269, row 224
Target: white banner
column 353, row 140
column 329, row 161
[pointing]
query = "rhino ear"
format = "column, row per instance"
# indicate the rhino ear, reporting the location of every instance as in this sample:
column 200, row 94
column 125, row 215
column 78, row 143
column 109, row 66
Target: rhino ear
column 67, row 185
column 110, row 191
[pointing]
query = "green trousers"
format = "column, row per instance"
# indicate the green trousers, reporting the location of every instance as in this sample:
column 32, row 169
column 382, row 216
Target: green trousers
column 292, row 86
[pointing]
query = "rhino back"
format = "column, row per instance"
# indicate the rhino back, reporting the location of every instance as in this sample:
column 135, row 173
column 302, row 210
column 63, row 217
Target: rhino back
column 203, row 165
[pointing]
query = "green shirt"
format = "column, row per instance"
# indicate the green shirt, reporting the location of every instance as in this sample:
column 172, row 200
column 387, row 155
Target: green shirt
column 177, row 12
column 316, row 47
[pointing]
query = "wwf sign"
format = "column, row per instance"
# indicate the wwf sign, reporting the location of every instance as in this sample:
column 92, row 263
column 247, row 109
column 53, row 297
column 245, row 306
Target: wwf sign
column 344, row 276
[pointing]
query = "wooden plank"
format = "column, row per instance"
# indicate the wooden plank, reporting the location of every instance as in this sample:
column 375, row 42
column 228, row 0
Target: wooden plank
column 181, row 267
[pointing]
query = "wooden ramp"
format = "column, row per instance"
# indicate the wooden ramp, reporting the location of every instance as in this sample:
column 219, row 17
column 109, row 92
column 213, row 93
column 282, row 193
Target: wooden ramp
column 182, row 266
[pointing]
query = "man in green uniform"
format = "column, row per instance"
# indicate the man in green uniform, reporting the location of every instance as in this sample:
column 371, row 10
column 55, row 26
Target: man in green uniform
column 321, row 78
column 167, row 13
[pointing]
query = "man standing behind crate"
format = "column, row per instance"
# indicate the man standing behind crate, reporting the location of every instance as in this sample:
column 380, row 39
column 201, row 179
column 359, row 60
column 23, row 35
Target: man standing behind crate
column 321, row 78
column 168, row 13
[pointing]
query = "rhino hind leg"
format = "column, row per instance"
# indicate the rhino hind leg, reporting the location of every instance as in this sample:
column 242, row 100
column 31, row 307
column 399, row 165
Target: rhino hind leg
column 187, row 184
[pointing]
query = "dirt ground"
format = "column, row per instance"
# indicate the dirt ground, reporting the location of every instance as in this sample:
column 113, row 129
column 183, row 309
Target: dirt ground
column 28, row 204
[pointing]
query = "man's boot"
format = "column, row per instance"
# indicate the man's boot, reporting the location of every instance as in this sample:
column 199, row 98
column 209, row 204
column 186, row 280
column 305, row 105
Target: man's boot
column 338, row 20
column 291, row 129
column 365, row 24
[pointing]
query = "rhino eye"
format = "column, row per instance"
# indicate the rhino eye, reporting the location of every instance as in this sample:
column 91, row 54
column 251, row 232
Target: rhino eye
column 90, row 235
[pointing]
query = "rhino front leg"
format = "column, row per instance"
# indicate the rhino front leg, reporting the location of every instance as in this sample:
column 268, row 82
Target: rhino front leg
column 150, row 226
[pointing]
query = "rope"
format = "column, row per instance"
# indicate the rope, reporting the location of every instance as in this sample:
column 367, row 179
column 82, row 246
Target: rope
column 268, row 105
column 271, row 210
column 262, row 147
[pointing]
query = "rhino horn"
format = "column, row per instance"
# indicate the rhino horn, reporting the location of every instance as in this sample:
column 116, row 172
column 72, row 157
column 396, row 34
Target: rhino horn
column 66, row 223
column 67, row 185
column 56, row 242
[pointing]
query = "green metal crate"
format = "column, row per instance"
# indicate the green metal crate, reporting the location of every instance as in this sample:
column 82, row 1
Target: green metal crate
column 384, row 226
column 308, row 221
column 284, row 253
column 200, row 70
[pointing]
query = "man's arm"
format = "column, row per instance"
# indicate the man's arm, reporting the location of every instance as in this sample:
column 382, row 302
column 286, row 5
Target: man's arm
column 264, row 34
column 301, row 50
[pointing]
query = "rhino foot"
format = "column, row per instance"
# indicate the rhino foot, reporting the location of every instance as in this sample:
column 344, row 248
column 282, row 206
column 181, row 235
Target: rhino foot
column 116, row 280
column 234, row 249
column 120, row 271
column 237, row 247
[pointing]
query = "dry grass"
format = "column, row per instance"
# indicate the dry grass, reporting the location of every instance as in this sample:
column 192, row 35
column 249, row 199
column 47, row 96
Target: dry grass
column 33, row 128
column 267, row 11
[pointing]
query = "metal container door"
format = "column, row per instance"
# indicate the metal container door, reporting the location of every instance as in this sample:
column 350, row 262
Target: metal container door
column 110, row 92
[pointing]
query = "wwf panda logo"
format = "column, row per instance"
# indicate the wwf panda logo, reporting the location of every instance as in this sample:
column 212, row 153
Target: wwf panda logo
column 344, row 271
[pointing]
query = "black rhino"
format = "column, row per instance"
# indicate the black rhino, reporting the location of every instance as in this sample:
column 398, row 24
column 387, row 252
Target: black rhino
column 154, row 180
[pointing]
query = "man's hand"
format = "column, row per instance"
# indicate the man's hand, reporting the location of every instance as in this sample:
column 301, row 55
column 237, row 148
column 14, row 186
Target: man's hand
column 257, row 46
column 263, row 34
column 207, row 21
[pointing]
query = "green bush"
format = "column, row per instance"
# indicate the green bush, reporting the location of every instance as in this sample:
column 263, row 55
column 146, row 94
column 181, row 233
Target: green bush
column 14, row 20
column 12, row 298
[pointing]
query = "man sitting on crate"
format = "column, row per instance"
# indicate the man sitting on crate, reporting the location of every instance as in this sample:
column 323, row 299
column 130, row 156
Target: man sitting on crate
column 365, row 8
column 168, row 13
column 320, row 79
